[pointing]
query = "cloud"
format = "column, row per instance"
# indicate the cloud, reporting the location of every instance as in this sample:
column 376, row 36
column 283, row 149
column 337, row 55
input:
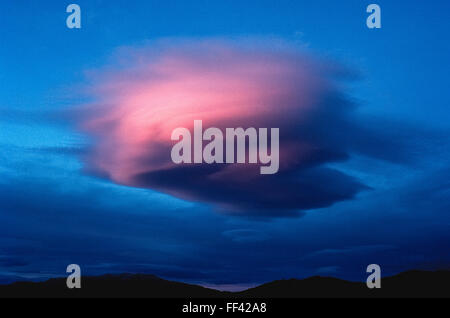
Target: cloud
column 245, row 235
column 328, row 270
column 7, row 261
column 146, row 93
column 353, row 250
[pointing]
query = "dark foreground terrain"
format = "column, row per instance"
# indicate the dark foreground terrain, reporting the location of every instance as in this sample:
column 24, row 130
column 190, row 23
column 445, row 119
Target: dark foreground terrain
column 407, row 284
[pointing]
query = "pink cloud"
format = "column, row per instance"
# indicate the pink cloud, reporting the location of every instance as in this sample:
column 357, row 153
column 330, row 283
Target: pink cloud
column 139, row 103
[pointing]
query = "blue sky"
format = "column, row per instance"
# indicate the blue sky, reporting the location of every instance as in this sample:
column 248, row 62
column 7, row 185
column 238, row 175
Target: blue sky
column 53, row 213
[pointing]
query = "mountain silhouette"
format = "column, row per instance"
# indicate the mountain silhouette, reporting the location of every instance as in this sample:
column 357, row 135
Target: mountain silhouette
column 421, row 284
column 407, row 284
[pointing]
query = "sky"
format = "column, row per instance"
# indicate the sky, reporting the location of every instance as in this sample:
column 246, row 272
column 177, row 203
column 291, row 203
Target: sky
column 86, row 116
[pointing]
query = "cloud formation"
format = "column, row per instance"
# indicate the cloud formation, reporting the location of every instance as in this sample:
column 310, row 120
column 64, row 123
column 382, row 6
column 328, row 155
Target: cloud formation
column 152, row 91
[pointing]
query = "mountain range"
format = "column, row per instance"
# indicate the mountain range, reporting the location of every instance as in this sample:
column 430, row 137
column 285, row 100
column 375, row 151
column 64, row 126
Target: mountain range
column 404, row 285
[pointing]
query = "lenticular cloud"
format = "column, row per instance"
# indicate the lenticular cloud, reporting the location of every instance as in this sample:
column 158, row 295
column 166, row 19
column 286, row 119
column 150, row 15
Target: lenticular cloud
column 147, row 93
